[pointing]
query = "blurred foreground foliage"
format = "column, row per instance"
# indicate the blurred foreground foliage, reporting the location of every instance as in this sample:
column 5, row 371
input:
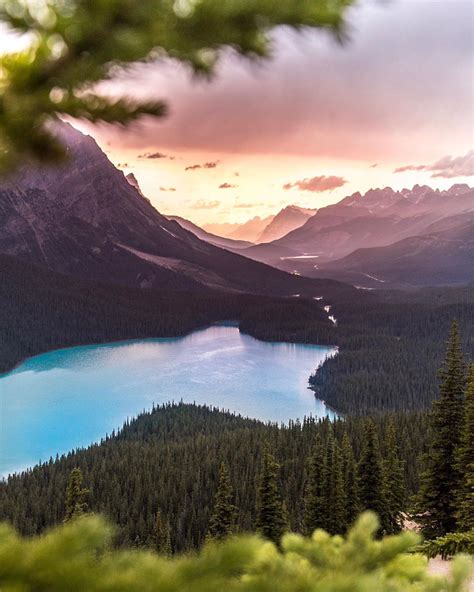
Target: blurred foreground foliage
column 71, row 45
column 77, row 557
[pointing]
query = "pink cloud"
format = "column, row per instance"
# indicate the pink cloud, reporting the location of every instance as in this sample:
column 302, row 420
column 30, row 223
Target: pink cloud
column 317, row 184
column 446, row 167
column 410, row 167
column 449, row 167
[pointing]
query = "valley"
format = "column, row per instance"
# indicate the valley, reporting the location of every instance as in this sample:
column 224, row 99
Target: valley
column 410, row 238
column 117, row 269
column 236, row 296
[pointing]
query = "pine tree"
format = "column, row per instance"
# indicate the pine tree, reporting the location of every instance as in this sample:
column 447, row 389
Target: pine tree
column 162, row 536
column 465, row 462
column 350, row 482
column 327, row 482
column 436, row 507
column 394, row 482
column 370, row 475
column 224, row 512
column 133, row 31
column 313, row 516
column 271, row 520
column 338, row 501
column 75, row 496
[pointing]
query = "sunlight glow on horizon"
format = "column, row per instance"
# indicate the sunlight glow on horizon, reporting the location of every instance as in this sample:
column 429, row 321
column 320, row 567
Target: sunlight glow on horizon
column 259, row 183
column 399, row 94
column 316, row 109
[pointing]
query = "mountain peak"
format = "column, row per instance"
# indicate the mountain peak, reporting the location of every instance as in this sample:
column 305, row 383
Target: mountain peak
column 287, row 219
column 84, row 218
column 134, row 182
column 459, row 189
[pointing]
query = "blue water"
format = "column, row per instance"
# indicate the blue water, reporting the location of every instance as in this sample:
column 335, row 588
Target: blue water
column 72, row 397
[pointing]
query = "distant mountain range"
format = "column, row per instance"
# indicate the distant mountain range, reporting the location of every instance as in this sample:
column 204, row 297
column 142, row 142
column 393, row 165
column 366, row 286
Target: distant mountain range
column 220, row 241
column 284, row 222
column 443, row 254
column 381, row 239
column 263, row 230
column 84, row 218
column 251, row 230
column 380, row 218
column 223, row 229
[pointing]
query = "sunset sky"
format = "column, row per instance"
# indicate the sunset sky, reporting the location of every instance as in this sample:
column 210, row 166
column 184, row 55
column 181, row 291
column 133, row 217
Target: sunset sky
column 317, row 122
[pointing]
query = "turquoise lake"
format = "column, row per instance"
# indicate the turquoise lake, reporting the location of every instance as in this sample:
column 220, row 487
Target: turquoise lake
column 70, row 398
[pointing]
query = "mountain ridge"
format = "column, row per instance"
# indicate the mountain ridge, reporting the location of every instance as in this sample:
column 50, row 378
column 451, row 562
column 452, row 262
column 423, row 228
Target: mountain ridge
column 220, row 241
column 287, row 219
column 378, row 218
column 84, row 218
column 443, row 256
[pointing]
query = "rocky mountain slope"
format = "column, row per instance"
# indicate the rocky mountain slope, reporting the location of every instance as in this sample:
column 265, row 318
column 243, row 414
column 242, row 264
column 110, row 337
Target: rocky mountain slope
column 85, row 219
column 379, row 218
column 284, row 222
column 214, row 239
column 443, row 255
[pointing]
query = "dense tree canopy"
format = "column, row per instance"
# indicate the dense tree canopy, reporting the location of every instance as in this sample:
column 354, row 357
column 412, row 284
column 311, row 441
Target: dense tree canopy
column 168, row 461
column 390, row 344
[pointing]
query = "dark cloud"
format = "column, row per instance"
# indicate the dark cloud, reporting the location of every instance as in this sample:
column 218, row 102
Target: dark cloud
column 153, row 155
column 227, row 186
column 408, row 66
column 317, row 184
column 205, row 205
column 167, row 188
column 207, row 165
column 446, row 167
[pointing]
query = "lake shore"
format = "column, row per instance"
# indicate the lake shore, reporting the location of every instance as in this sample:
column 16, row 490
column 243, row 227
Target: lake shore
column 74, row 396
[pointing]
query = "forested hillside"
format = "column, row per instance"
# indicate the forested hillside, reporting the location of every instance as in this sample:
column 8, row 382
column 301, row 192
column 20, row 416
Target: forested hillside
column 168, row 460
column 43, row 310
column 181, row 473
column 390, row 343
column 391, row 347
